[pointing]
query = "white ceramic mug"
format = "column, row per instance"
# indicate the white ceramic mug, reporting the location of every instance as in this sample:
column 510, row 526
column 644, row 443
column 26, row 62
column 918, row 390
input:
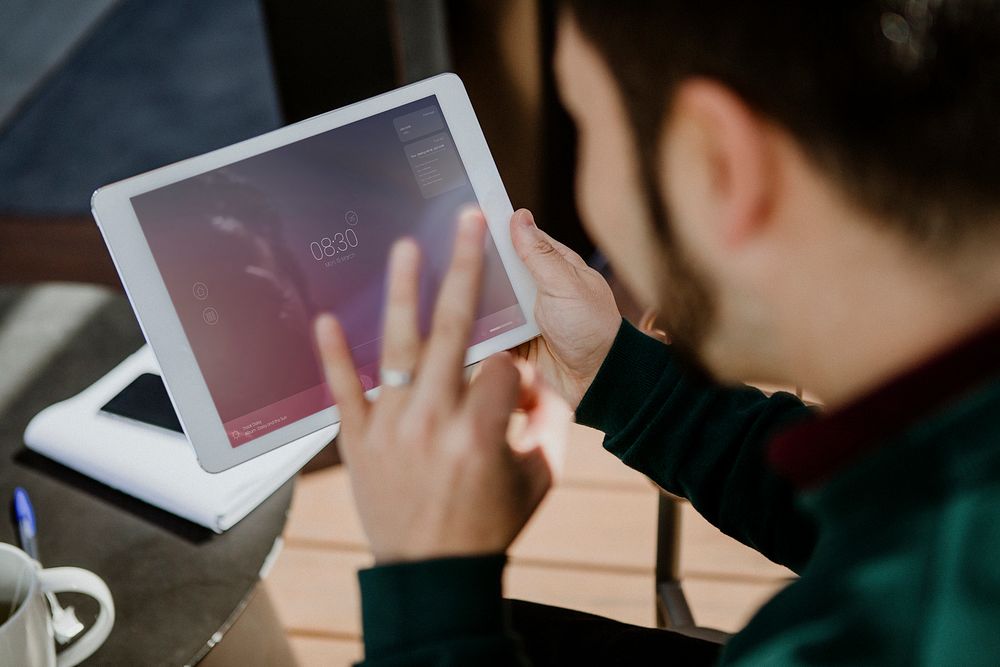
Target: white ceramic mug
column 26, row 637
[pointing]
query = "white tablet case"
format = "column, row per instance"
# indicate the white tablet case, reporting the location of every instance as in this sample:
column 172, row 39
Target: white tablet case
column 156, row 465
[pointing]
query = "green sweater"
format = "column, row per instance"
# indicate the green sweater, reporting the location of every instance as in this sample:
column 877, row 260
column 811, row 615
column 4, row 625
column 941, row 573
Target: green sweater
column 895, row 536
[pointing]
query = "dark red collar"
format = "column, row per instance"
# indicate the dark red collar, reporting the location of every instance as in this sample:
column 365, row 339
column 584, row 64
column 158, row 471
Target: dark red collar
column 812, row 452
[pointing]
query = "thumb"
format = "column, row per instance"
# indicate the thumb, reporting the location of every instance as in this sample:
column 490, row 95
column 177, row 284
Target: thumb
column 546, row 258
column 549, row 419
column 538, row 475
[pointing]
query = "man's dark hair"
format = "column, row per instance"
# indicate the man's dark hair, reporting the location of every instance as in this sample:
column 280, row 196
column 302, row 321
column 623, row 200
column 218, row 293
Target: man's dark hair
column 898, row 100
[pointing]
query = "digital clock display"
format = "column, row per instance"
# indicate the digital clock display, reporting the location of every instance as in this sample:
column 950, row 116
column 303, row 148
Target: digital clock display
column 327, row 247
column 252, row 252
column 339, row 245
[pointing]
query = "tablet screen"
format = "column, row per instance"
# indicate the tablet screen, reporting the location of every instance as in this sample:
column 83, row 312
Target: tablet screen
column 252, row 252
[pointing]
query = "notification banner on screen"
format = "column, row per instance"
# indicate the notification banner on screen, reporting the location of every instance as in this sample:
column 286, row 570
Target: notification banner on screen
column 435, row 165
column 251, row 253
column 418, row 123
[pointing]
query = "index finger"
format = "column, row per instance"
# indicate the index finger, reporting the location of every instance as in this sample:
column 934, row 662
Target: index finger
column 455, row 311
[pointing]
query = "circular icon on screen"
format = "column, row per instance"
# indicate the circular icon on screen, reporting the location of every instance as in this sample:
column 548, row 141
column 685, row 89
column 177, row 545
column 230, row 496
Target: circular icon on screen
column 351, row 217
column 200, row 291
column 210, row 315
column 366, row 382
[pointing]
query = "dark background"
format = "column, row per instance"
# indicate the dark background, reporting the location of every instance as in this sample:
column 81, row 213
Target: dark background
column 117, row 87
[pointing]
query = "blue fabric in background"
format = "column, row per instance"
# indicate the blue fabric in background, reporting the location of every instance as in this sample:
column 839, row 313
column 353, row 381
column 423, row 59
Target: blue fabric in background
column 157, row 81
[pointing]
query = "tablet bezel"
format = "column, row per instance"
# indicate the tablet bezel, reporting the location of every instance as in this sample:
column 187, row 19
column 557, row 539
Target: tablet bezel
column 112, row 209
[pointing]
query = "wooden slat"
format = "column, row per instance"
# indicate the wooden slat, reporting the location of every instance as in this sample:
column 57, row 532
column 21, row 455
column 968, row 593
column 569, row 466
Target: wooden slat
column 589, row 464
column 624, row 597
column 324, row 652
column 580, row 525
column 593, row 528
column 323, row 511
column 707, row 551
column 315, row 591
column 725, row 604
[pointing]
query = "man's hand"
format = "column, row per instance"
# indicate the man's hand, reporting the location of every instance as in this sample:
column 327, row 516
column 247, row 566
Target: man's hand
column 432, row 472
column 575, row 311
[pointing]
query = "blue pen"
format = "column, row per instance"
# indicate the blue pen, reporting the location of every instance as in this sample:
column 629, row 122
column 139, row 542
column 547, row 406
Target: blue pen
column 25, row 514
column 65, row 624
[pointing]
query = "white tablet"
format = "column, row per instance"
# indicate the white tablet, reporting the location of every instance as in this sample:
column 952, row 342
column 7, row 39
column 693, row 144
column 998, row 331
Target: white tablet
column 228, row 257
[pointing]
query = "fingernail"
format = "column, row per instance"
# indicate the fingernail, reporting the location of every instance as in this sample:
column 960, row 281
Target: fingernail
column 470, row 221
column 526, row 219
column 324, row 325
column 470, row 211
column 404, row 249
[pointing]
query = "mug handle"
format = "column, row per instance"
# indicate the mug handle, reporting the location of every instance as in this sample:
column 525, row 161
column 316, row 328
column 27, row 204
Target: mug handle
column 76, row 580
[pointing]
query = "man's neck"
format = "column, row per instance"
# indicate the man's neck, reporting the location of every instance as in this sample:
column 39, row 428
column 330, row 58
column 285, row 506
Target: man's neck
column 887, row 310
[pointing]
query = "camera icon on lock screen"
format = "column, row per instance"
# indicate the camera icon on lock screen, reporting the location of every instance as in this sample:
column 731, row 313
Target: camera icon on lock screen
column 200, row 291
column 351, row 217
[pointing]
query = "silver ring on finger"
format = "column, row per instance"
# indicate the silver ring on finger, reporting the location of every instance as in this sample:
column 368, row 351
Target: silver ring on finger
column 394, row 377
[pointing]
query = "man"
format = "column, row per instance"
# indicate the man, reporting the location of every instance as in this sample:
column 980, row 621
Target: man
column 809, row 193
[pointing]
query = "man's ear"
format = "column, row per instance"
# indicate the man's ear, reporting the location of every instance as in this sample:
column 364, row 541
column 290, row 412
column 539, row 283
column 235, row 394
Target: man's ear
column 717, row 161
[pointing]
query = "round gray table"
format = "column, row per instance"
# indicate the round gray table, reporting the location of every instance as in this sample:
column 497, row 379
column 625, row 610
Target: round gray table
column 177, row 587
